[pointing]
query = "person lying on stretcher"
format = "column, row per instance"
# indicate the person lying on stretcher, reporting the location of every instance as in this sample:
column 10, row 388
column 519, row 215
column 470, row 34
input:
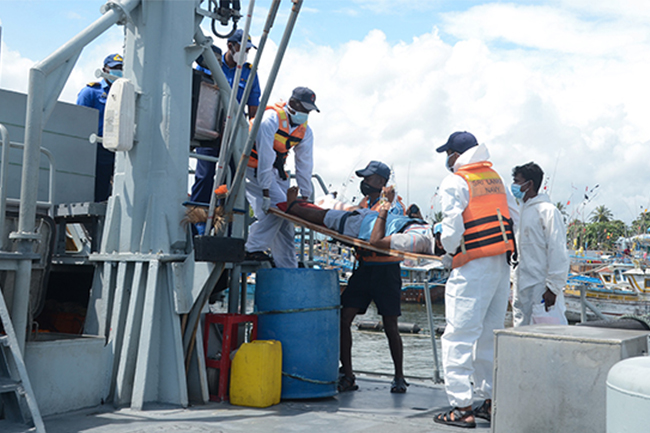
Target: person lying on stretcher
column 381, row 229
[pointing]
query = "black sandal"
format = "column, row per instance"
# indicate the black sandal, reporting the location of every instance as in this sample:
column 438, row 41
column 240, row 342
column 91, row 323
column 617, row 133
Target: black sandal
column 398, row 386
column 457, row 421
column 484, row 411
column 346, row 383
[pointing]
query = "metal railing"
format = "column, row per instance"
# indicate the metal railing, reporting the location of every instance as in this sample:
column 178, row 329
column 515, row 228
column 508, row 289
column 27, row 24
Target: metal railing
column 584, row 304
column 49, row 204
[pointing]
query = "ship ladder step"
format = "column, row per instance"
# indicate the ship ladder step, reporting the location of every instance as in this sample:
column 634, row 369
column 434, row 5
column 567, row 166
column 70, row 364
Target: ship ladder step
column 18, row 407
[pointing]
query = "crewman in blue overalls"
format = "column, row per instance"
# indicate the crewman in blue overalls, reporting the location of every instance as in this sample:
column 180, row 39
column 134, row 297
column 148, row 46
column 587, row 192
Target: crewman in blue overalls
column 94, row 96
column 204, row 174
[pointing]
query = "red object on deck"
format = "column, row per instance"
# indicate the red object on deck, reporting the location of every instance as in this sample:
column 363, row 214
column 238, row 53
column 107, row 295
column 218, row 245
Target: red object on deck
column 230, row 324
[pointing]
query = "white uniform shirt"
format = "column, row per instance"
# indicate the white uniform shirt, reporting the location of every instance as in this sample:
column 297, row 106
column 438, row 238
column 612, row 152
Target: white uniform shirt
column 454, row 197
column 541, row 240
column 303, row 154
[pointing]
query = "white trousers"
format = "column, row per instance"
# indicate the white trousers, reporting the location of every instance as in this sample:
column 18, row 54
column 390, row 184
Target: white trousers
column 269, row 231
column 524, row 299
column 476, row 299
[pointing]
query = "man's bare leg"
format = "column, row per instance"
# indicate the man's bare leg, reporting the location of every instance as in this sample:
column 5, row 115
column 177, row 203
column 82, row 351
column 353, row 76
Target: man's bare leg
column 316, row 216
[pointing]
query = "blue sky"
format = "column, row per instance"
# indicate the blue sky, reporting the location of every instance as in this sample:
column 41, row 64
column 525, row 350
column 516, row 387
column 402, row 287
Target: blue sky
column 558, row 82
column 322, row 22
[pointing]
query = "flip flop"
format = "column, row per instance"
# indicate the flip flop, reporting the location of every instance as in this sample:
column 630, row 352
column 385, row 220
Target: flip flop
column 398, row 386
column 445, row 418
column 484, row 411
column 346, row 383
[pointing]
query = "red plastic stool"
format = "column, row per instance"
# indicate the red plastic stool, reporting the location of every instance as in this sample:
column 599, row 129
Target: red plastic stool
column 230, row 324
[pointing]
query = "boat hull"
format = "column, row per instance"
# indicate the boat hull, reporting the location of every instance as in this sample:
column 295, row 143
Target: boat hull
column 611, row 305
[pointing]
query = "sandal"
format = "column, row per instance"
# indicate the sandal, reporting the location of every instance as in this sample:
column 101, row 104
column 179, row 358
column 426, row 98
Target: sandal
column 346, row 383
column 484, row 411
column 457, row 421
column 398, row 386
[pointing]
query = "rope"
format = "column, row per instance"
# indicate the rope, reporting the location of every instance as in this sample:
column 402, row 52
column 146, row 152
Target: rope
column 296, row 310
column 304, row 379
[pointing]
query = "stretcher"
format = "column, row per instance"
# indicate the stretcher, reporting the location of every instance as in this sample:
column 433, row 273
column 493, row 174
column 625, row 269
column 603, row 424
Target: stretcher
column 350, row 240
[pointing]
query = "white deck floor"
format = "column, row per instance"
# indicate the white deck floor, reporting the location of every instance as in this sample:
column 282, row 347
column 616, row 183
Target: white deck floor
column 370, row 409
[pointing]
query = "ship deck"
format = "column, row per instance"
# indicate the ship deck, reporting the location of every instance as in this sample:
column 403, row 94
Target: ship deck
column 370, row 409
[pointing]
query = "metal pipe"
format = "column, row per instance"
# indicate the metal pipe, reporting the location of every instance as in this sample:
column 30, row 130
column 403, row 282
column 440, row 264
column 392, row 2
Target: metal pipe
column 204, row 157
column 243, row 161
column 3, row 182
column 597, row 312
column 39, row 107
column 270, row 19
column 52, row 179
column 225, row 91
column 427, row 300
column 583, row 310
column 232, row 103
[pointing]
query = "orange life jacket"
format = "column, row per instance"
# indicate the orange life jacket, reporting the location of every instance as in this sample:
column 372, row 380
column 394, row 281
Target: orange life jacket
column 488, row 228
column 371, row 256
column 283, row 140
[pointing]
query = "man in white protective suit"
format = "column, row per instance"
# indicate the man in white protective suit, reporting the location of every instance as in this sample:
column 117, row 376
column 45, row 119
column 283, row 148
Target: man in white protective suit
column 478, row 237
column 543, row 266
column 284, row 127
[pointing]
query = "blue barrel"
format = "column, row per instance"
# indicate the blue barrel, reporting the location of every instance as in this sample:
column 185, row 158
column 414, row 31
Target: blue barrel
column 300, row 308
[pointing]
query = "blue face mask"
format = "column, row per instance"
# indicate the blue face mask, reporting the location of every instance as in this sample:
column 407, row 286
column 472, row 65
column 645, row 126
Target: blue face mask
column 117, row 73
column 298, row 118
column 516, row 191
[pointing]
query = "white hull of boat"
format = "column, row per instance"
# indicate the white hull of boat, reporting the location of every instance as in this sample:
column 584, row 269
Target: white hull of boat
column 613, row 308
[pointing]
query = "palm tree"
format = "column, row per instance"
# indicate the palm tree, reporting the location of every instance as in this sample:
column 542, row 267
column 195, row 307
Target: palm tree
column 601, row 215
column 438, row 216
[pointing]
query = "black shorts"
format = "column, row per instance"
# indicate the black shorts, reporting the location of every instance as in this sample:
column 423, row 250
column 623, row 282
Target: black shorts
column 379, row 283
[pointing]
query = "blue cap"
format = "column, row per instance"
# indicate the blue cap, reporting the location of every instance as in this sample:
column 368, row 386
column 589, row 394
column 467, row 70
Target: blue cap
column 306, row 97
column 236, row 38
column 437, row 228
column 459, row 142
column 113, row 60
column 375, row 167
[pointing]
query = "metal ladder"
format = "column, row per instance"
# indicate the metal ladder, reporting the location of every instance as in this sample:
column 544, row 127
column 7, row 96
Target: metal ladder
column 17, row 399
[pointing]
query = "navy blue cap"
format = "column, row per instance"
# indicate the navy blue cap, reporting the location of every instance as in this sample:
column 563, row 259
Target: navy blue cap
column 306, row 97
column 113, row 60
column 236, row 38
column 375, row 167
column 459, row 142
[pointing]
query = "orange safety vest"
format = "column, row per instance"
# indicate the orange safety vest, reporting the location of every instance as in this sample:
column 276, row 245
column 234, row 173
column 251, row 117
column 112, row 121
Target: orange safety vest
column 371, row 256
column 283, row 140
column 488, row 228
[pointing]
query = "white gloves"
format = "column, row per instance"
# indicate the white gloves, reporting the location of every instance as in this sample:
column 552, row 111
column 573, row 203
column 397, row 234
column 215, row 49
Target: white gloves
column 447, row 260
column 266, row 204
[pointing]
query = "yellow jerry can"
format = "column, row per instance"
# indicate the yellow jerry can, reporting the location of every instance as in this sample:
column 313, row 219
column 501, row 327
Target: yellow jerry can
column 256, row 374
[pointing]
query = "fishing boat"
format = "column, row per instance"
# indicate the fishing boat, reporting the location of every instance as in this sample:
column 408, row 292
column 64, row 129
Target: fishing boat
column 615, row 289
column 413, row 279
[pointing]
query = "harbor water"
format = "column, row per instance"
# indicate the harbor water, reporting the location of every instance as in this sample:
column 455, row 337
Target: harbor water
column 370, row 353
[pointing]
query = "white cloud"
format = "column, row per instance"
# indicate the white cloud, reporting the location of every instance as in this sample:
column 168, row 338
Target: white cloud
column 565, row 92
column 14, row 68
column 542, row 84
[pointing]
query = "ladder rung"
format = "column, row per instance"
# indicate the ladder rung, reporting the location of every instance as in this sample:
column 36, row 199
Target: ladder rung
column 9, row 385
column 4, row 340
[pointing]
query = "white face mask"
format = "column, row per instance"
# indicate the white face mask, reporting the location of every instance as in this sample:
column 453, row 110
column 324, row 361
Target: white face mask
column 299, row 117
column 239, row 57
